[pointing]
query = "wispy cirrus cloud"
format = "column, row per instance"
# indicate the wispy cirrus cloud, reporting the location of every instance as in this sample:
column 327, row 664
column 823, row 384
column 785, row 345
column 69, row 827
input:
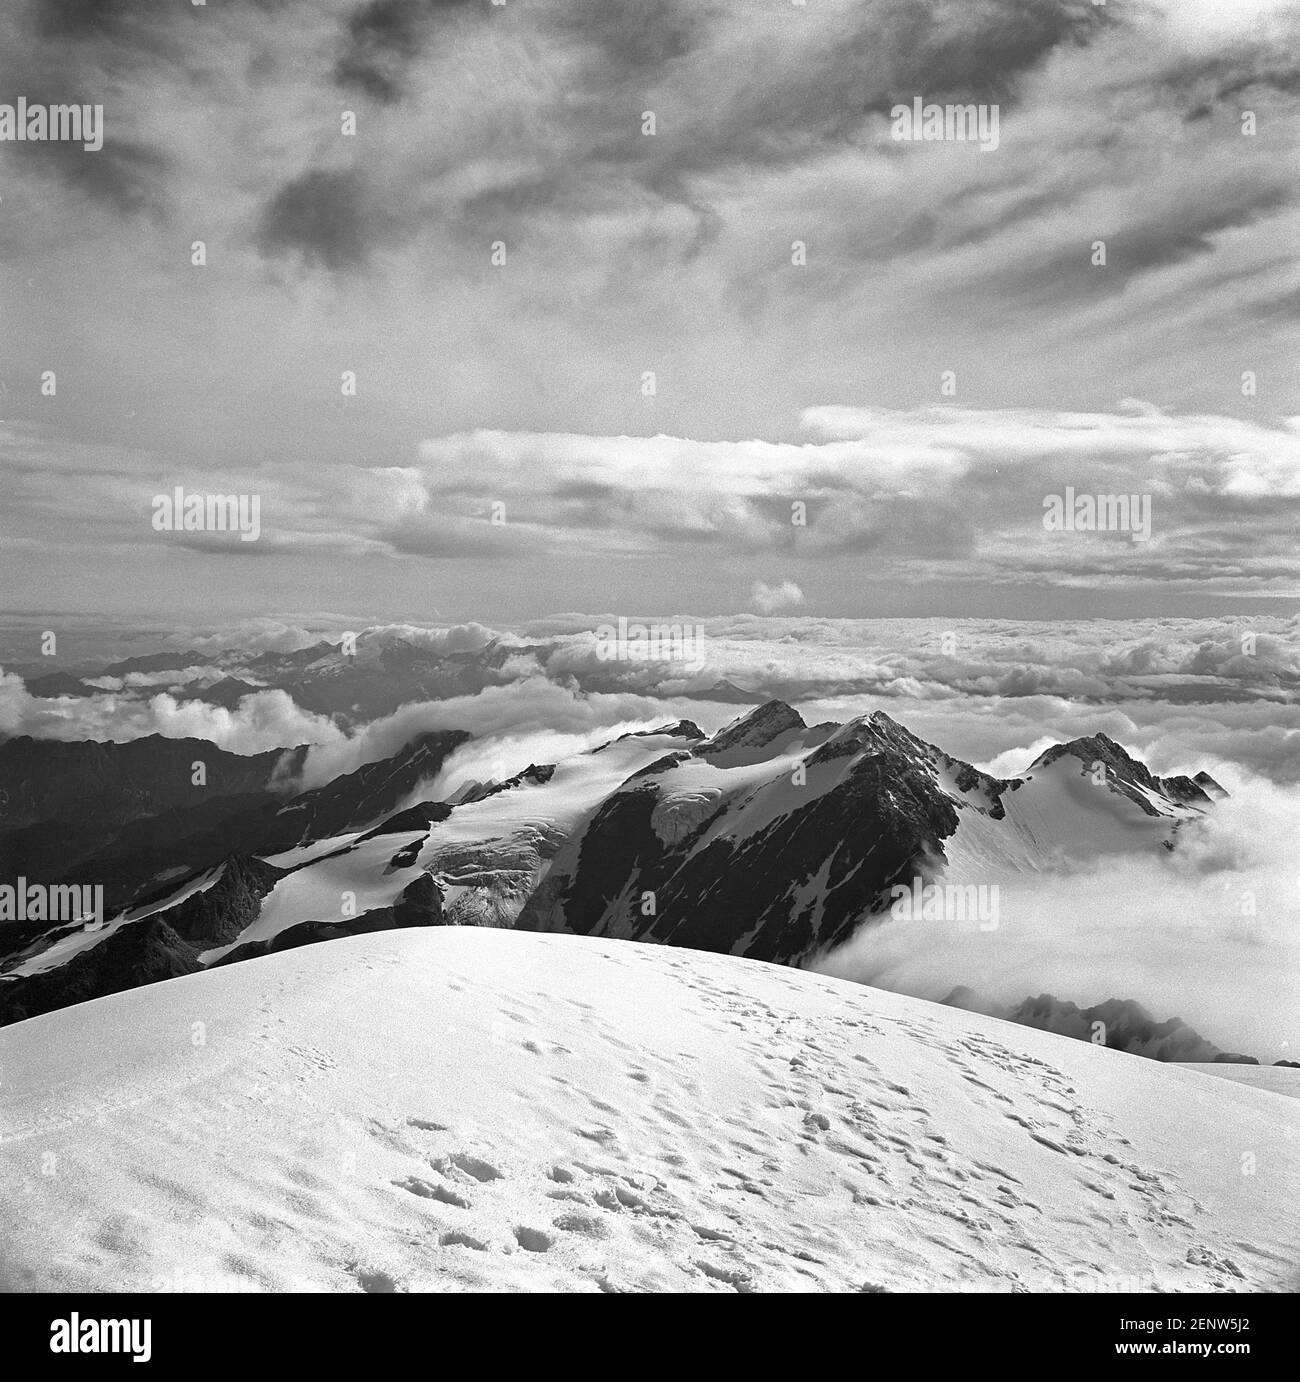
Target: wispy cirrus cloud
column 630, row 254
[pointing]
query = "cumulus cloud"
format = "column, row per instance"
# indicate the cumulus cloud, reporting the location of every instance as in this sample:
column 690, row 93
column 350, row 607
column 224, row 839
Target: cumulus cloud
column 261, row 635
column 960, row 494
column 519, row 713
column 769, row 599
column 262, row 721
column 957, row 492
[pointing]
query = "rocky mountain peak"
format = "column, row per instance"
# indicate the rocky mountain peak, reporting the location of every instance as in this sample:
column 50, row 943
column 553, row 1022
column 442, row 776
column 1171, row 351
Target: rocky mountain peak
column 755, row 729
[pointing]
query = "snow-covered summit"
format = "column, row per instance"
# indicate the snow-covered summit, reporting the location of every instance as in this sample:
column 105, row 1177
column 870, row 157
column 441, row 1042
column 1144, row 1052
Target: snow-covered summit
column 455, row 1109
column 754, row 730
column 771, row 839
column 1101, row 755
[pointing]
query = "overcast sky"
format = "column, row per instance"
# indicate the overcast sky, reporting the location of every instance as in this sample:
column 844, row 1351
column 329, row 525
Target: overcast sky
column 521, row 384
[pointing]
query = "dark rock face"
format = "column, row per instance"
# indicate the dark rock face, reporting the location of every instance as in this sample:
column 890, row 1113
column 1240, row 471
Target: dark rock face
column 162, row 946
column 218, row 914
column 420, row 904
column 1127, row 1026
column 679, row 729
column 796, row 886
column 1123, row 1025
column 308, row 933
column 141, row 953
column 1207, row 784
column 418, row 817
column 363, row 795
column 115, row 814
column 49, row 780
column 156, row 851
column 535, row 773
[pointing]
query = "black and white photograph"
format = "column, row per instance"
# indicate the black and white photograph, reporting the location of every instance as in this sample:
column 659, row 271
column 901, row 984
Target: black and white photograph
column 649, row 647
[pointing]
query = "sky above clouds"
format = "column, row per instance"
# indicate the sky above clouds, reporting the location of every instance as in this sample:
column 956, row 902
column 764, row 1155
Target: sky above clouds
column 517, row 390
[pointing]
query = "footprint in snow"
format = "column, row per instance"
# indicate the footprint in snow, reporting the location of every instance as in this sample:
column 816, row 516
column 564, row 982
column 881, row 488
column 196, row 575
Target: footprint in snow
column 534, row 1240
column 424, row 1191
column 464, row 1240
column 375, row 1282
column 472, row 1166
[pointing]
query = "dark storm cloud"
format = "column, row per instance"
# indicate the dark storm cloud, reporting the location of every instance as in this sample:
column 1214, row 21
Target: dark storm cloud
column 1155, row 244
column 973, row 51
column 382, row 41
column 887, row 54
column 77, row 51
column 580, row 143
column 128, row 175
column 1202, row 85
column 322, row 215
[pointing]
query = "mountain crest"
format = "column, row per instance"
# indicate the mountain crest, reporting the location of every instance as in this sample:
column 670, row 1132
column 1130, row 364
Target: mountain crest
column 1128, row 773
column 877, row 733
column 1094, row 748
column 754, row 730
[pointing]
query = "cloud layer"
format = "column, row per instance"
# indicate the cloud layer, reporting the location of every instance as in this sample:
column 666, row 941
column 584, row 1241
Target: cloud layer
column 543, row 303
column 947, row 498
column 1219, row 694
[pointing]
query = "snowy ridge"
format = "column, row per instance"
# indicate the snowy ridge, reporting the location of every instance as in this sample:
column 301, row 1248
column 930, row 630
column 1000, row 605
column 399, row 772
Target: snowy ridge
column 453, row 1109
column 777, row 840
column 771, row 839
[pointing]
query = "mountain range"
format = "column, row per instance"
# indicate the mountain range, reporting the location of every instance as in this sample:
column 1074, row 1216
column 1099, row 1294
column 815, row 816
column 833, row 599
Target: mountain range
column 380, row 675
column 772, row 839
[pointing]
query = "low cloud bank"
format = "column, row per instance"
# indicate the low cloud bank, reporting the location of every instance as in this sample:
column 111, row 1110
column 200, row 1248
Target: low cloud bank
column 535, row 712
column 265, row 720
column 1209, row 932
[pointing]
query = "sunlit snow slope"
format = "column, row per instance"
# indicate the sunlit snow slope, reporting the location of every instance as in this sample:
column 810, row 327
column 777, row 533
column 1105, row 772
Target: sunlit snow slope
column 448, row 1109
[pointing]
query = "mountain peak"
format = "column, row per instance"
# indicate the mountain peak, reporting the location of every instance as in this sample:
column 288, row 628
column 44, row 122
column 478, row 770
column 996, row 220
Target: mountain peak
column 1128, row 773
column 876, row 732
column 755, row 729
column 1099, row 748
column 1088, row 746
column 1212, row 789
